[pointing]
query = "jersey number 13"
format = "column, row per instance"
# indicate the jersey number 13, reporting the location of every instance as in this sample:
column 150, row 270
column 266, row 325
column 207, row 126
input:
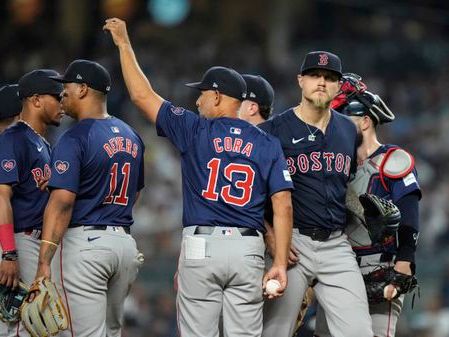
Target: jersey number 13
column 245, row 185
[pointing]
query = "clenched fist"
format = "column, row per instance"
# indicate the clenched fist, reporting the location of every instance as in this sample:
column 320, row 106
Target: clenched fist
column 117, row 28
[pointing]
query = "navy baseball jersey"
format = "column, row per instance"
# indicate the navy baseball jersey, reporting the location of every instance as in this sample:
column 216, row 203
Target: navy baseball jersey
column 101, row 160
column 229, row 167
column 25, row 159
column 320, row 166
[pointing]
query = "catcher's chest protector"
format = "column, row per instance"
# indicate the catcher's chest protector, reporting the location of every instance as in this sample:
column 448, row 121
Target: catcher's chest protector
column 357, row 233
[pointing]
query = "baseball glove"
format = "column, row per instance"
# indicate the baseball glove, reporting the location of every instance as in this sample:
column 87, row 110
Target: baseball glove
column 10, row 302
column 44, row 314
column 378, row 279
column 382, row 217
column 351, row 85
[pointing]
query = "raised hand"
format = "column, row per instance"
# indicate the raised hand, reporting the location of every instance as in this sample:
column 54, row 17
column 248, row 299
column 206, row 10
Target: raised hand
column 117, row 28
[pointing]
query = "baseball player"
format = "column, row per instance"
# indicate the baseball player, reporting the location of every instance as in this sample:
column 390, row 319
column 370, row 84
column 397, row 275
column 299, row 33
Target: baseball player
column 9, row 114
column 387, row 171
column 25, row 159
column 229, row 168
column 258, row 103
column 320, row 146
column 96, row 175
column 11, row 105
column 255, row 109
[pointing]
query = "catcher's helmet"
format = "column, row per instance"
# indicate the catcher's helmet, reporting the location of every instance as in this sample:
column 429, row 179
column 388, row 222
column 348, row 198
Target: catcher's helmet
column 368, row 104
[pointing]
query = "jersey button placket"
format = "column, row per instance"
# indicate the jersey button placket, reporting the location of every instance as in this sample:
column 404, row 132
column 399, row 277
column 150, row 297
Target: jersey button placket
column 327, row 176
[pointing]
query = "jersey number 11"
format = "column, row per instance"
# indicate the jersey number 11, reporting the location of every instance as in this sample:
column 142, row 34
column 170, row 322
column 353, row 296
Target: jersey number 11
column 122, row 198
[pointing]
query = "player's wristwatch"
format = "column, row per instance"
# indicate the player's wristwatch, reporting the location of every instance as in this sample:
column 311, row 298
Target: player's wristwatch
column 10, row 256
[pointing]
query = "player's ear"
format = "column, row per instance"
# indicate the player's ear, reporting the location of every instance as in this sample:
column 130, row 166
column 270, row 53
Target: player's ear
column 218, row 98
column 35, row 100
column 253, row 109
column 82, row 90
column 366, row 122
column 300, row 81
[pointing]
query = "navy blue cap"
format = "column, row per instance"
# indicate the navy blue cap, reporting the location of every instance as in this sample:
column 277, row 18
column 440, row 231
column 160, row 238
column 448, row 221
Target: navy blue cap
column 39, row 82
column 321, row 60
column 258, row 90
column 225, row 80
column 84, row 71
column 10, row 104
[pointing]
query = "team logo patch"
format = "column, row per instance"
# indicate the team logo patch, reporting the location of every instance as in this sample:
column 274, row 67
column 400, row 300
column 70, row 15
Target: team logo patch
column 287, row 176
column 227, row 231
column 235, row 131
column 61, row 166
column 8, row 164
column 324, row 60
column 409, row 179
column 177, row 110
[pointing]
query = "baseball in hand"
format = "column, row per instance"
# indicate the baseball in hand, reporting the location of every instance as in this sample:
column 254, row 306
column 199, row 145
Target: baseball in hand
column 272, row 287
column 395, row 292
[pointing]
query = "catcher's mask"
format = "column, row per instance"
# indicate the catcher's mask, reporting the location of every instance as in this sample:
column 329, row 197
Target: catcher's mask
column 368, row 104
column 354, row 100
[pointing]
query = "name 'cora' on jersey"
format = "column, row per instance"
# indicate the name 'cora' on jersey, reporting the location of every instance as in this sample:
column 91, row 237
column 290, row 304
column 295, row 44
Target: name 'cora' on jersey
column 120, row 144
column 230, row 144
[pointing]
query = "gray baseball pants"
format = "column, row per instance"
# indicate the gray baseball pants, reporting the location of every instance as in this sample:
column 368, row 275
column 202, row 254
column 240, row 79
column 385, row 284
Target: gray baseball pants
column 95, row 273
column 220, row 271
column 384, row 315
column 339, row 289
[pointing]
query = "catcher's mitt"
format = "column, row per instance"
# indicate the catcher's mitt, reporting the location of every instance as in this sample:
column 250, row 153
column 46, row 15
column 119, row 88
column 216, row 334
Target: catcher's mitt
column 351, row 85
column 10, row 302
column 45, row 314
column 382, row 217
column 378, row 279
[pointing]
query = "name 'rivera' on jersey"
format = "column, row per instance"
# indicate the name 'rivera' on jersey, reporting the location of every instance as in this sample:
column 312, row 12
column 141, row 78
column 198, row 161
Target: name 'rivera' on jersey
column 120, row 144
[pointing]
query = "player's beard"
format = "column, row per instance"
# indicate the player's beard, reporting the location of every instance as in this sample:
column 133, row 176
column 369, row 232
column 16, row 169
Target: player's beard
column 52, row 117
column 56, row 121
column 320, row 102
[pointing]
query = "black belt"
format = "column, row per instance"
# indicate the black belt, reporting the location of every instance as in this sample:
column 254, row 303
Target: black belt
column 317, row 234
column 100, row 227
column 208, row 230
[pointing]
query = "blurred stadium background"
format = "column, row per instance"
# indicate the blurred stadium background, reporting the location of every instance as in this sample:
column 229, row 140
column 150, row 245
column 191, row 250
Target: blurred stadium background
column 401, row 48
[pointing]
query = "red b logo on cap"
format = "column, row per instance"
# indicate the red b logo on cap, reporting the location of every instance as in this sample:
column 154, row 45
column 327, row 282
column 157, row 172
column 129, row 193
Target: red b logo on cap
column 324, row 60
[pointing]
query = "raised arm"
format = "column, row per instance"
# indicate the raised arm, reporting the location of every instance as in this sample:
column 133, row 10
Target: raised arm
column 139, row 88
